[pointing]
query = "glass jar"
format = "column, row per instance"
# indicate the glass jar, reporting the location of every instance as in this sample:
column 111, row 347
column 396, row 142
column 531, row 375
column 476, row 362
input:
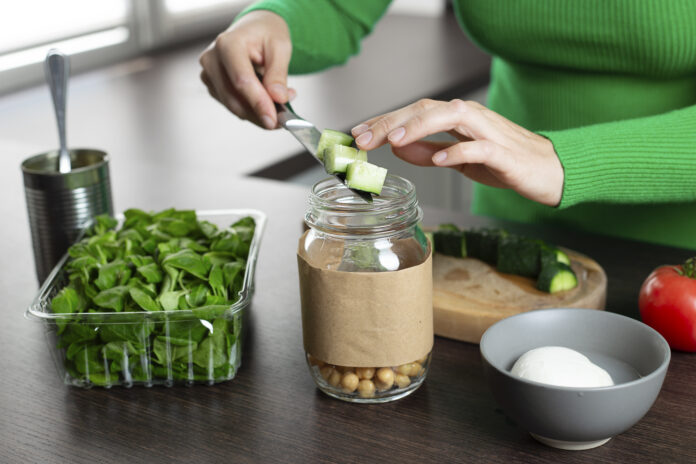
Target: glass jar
column 366, row 290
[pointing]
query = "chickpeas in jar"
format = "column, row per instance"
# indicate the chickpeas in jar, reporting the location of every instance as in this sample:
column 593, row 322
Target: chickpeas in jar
column 369, row 383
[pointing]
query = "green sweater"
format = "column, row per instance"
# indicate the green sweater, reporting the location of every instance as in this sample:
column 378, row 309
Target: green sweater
column 612, row 84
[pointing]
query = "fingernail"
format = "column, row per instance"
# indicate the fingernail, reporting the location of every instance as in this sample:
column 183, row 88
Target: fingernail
column 359, row 129
column 267, row 121
column 396, row 134
column 279, row 90
column 291, row 94
column 364, row 138
column 439, row 157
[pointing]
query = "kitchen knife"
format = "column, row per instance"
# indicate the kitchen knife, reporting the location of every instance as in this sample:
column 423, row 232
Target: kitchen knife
column 308, row 135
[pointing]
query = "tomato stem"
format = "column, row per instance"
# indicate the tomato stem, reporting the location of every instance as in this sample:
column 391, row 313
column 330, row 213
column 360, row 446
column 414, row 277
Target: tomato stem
column 689, row 268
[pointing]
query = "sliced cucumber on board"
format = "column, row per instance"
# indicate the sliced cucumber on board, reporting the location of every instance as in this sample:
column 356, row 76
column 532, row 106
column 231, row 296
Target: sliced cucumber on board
column 519, row 255
column 551, row 254
column 329, row 138
column 556, row 277
column 509, row 254
column 483, row 244
column 450, row 242
column 364, row 176
column 338, row 157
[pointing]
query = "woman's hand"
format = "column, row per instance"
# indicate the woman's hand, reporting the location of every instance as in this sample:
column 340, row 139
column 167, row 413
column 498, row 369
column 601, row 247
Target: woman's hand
column 260, row 39
column 492, row 150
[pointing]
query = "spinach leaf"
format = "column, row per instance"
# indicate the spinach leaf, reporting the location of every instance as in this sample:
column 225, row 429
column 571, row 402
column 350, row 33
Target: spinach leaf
column 112, row 298
column 144, row 300
column 189, row 261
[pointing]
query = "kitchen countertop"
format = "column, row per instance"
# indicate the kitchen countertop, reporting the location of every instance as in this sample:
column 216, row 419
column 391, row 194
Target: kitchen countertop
column 272, row 412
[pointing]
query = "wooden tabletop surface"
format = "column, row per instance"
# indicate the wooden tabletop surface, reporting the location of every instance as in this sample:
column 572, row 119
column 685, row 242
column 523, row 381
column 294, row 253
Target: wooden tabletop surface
column 272, row 412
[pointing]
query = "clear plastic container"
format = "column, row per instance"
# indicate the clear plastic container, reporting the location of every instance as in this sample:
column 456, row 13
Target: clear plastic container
column 129, row 342
column 347, row 235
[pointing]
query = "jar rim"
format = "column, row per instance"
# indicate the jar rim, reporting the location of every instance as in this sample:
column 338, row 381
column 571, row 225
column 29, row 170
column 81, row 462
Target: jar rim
column 347, row 201
column 396, row 208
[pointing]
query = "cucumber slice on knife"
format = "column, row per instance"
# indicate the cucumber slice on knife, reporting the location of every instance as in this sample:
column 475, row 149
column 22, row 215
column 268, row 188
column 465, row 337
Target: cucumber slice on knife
column 329, row 138
column 361, row 175
column 338, row 157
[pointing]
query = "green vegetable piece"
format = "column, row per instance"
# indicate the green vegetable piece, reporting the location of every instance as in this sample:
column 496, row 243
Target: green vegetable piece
column 189, row 261
column 102, row 379
column 170, row 300
column 483, row 244
column 233, row 274
column 135, row 217
column 209, row 312
column 111, row 274
column 519, row 255
column 112, row 298
column 556, row 277
column 450, row 242
column 198, row 295
column 168, row 349
column 77, row 333
column 136, row 333
column 144, row 300
column 151, row 273
column 330, row 138
column 338, row 157
column 364, row 176
column 102, row 223
column 212, row 352
column 89, row 360
column 118, row 351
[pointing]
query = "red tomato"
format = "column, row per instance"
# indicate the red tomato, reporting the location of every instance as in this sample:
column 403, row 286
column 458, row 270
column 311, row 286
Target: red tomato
column 667, row 303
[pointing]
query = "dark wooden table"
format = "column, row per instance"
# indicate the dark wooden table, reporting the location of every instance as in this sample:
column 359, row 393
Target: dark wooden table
column 272, row 412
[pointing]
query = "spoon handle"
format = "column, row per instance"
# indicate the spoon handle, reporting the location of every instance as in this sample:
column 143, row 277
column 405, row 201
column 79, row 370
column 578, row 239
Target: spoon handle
column 57, row 67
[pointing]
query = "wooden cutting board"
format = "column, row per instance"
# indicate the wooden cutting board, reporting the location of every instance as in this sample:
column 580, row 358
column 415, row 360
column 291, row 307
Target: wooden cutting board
column 469, row 295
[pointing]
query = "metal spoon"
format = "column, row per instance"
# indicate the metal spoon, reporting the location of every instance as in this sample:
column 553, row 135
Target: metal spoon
column 57, row 67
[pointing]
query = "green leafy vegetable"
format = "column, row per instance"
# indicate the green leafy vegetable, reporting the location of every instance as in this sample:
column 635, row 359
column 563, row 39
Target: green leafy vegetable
column 157, row 263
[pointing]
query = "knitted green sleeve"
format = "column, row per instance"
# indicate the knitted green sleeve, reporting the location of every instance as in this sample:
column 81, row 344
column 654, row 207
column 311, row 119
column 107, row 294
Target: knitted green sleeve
column 324, row 32
column 644, row 160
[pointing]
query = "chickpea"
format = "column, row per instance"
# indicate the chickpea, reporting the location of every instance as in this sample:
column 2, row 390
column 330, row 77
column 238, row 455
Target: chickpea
column 326, row 372
column 365, row 373
column 415, row 369
column 385, row 378
column 404, row 369
column 343, row 369
column 366, row 389
column 334, row 378
column 349, row 382
column 402, row 381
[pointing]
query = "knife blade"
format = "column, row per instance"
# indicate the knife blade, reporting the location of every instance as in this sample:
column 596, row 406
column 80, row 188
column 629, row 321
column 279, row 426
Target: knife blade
column 308, row 135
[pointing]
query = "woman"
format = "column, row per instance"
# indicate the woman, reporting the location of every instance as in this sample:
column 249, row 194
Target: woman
column 591, row 118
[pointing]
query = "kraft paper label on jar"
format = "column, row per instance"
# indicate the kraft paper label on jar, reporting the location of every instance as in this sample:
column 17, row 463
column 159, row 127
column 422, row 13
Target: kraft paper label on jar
column 366, row 319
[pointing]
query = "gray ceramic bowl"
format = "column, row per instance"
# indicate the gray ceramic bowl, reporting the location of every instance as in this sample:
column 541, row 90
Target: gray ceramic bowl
column 635, row 355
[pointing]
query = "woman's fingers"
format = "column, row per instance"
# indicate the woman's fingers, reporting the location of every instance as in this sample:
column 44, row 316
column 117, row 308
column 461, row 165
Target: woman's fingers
column 240, row 71
column 477, row 151
column 375, row 135
column 420, row 153
column 220, row 88
column 423, row 118
column 463, row 118
column 277, row 55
